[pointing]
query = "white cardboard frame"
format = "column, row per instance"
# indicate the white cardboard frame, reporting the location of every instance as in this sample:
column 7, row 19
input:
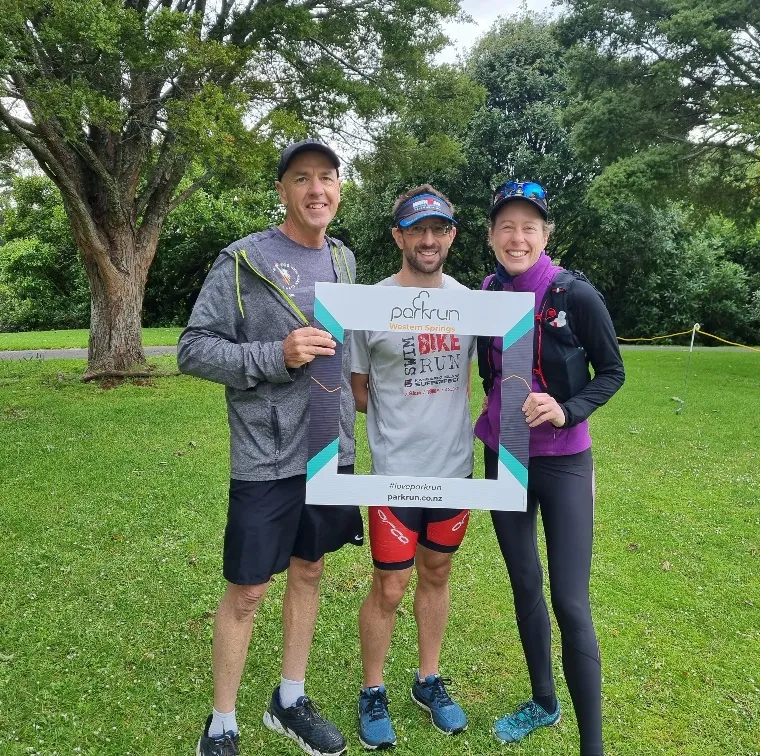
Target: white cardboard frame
column 340, row 307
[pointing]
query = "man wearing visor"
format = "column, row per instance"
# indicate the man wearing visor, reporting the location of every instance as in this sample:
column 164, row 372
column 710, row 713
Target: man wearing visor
column 414, row 388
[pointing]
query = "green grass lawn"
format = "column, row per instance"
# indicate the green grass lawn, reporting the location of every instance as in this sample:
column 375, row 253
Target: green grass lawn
column 112, row 505
column 77, row 339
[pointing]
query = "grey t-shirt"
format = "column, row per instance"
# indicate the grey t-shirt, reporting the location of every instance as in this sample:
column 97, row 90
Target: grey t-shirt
column 297, row 268
column 418, row 414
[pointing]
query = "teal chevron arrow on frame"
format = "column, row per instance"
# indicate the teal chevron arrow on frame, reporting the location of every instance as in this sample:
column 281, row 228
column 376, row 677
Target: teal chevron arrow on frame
column 519, row 330
column 323, row 315
column 514, row 466
column 318, row 461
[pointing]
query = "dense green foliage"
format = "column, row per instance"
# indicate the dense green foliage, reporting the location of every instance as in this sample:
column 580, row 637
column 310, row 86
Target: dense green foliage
column 666, row 97
column 42, row 281
column 514, row 129
column 192, row 238
column 662, row 270
column 661, row 266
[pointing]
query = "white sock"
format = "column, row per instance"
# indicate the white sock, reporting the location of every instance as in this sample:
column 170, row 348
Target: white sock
column 221, row 723
column 290, row 692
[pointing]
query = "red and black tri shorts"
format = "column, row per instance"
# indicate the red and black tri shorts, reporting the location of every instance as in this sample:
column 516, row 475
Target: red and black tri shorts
column 394, row 533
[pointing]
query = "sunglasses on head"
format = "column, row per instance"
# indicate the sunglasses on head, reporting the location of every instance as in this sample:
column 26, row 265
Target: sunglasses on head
column 528, row 189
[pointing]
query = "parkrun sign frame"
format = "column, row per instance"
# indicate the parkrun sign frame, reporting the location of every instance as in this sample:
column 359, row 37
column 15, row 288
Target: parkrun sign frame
column 342, row 307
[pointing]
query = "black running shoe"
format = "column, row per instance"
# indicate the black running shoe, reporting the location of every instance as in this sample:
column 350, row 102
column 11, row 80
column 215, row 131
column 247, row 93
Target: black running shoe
column 221, row 745
column 303, row 724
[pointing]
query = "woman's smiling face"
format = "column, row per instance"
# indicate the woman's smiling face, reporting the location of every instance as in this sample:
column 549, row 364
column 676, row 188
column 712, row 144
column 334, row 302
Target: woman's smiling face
column 518, row 235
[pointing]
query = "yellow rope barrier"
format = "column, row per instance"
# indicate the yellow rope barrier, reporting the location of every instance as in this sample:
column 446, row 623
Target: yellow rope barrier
column 732, row 343
column 696, row 328
column 654, row 338
column 686, row 333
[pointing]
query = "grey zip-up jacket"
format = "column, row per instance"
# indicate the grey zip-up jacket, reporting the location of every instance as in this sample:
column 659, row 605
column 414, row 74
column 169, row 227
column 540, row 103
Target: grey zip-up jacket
column 235, row 336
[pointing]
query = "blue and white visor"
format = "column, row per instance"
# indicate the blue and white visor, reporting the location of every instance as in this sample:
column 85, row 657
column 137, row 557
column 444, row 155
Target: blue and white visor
column 423, row 206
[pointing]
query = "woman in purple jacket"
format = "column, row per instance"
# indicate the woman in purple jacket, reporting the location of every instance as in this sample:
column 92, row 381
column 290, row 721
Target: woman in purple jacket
column 561, row 471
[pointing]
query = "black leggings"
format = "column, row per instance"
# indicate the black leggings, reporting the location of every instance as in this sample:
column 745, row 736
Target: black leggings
column 564, row 488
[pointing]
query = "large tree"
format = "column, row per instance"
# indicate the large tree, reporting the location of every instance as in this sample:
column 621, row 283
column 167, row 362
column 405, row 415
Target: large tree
column 129, row 106
column 667, row 97
column 520, row 132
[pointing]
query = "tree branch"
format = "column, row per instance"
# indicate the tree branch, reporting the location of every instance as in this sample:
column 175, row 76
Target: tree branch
column 96, row 166
column 713, row 144
column 183, row 195
column 37, row 148
column 22, row 124
column 90, row 240
column 37, row 51
column 159, row 200
column 341, row 61
column 751, row 32
column 734, row 63
column 162, row 165
column 336, row 6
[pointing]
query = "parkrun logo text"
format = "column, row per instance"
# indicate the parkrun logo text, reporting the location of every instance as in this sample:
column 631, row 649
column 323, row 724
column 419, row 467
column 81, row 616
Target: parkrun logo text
column 420, row 311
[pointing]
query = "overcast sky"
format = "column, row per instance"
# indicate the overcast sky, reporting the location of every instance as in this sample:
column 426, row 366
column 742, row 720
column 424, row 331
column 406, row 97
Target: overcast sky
column 484, row 13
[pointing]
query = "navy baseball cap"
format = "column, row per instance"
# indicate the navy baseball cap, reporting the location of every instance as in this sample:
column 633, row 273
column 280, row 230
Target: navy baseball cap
column 423, row 206
column 306, row 145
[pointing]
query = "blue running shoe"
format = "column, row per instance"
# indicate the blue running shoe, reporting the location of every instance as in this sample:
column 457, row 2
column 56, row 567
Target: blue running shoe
column 445, row 714
column 528, row 717
column 375, row 728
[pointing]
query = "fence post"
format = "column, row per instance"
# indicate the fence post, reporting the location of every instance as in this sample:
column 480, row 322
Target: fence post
column 694, row 330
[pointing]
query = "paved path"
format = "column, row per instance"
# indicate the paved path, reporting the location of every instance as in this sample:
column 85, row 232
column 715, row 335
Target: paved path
column 72, row 354
column 81, row 354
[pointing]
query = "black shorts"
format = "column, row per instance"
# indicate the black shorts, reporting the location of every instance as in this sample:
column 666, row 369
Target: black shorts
column 268, row 522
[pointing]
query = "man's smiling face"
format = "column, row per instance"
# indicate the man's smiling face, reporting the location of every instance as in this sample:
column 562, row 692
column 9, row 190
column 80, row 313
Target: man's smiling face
column 424, row 251
column 310, row 191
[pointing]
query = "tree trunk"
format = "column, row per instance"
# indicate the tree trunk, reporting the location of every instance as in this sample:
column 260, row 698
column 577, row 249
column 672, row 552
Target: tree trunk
column 115, row 325
column 117, row 293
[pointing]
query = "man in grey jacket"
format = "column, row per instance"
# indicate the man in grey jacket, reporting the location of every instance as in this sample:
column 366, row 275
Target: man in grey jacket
column 251, row 330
